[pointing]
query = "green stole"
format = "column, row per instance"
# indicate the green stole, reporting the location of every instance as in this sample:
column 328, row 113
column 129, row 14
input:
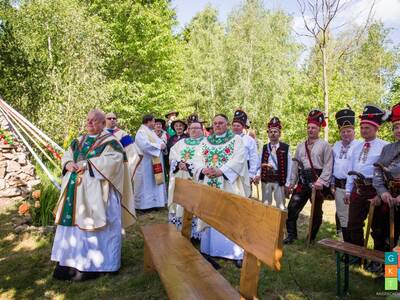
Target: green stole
column 79, row 154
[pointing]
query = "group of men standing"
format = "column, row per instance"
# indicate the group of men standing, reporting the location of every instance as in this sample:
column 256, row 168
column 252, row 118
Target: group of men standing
column 108, row 174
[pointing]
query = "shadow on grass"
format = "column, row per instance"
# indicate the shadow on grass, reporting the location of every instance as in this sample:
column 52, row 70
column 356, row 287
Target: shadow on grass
column 307, row 272
column 26, row 269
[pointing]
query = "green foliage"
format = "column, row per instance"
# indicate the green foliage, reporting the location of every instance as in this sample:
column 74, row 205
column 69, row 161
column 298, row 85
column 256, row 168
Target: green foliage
column 49, row 194
column 60, row 58
column 144, row 68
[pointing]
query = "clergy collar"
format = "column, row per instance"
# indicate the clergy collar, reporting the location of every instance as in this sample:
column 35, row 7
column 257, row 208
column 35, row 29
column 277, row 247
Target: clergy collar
column 221, row 135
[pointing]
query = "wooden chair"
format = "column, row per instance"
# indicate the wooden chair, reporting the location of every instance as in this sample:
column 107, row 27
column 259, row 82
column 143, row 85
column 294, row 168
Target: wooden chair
column 256, row 228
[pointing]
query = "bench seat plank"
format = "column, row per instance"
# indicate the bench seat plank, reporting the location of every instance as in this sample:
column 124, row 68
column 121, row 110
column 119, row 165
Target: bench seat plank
column 182, row 269
column 354, row 250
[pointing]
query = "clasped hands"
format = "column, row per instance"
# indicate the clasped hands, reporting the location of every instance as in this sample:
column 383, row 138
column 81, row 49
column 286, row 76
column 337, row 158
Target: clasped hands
column 212, row 172
column 182, row 166
column 76, row 167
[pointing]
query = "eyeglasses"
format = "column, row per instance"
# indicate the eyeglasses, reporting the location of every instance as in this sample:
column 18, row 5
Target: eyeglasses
column 195, row 128
column 111, row 118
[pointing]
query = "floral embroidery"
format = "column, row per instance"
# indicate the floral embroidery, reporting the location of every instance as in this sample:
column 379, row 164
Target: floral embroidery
column 216, row 156
column 187, row 153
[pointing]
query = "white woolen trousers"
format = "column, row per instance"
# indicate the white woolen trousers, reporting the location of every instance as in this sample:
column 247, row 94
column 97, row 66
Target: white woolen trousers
column 342, row 209
column 273, row 190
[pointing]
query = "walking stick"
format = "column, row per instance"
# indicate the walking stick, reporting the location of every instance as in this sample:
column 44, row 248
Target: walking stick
column 387, row 176
column 370, row 218
column 258, row 192
column 313, row 195
column 391, row 218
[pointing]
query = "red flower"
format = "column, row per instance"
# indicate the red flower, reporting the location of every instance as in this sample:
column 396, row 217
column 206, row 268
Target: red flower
column 223, row 159
column 205, row 152
column 227, row 150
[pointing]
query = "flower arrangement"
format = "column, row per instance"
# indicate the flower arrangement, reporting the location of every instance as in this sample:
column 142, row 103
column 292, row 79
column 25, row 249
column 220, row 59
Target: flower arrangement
column 6, row 137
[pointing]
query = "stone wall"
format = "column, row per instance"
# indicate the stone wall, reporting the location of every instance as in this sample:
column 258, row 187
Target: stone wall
column 17, row 174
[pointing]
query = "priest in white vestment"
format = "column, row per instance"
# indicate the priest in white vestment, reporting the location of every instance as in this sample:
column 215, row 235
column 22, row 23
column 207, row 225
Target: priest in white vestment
column 95, row 205
column 223, row 166
column 183, row 155
column 149, row 185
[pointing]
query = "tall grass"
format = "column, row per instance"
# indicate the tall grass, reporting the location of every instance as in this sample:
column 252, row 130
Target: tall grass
column 43, row 215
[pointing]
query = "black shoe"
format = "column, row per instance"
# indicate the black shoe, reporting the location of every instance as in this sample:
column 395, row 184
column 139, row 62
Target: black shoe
column 239, row 263
column 215, row 265
column 289, row 240
column 83, row 276
column 63, row 272
column 195, row 241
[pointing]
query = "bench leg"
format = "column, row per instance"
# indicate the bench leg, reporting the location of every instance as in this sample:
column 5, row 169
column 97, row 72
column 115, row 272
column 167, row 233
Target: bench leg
column 339, row 292
column 338, row 275
column 249, row 276
column 148, row 266
column 346, row 274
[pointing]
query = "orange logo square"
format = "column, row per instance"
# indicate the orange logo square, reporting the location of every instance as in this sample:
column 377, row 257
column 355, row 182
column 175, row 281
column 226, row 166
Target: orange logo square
column 390, row 271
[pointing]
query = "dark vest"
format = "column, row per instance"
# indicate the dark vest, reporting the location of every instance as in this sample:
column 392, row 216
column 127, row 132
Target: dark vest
column 282, row 160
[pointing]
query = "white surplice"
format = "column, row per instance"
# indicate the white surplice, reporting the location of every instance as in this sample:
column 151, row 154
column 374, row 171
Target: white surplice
column 148, row 194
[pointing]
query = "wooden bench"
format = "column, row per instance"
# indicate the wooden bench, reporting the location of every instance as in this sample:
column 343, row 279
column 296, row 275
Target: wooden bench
column 256, row 228
column 343, row 250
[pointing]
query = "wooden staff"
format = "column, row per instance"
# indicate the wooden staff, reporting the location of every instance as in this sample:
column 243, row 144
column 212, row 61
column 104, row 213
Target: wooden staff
column 370, row 218
column 258, row 192
column 313, row 195
column 387, row 176
column 391, row 218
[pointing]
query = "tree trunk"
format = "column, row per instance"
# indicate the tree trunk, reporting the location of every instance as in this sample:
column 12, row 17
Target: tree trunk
column 326, row 92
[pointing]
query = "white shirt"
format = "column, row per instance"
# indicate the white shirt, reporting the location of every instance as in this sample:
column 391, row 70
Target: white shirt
column 342, row 158
column 251, row 154
column 364, row 166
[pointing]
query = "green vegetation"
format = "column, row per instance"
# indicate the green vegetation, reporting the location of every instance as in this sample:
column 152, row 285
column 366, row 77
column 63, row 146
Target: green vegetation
column 307, row 273
column 43, row 215
column 60, row 58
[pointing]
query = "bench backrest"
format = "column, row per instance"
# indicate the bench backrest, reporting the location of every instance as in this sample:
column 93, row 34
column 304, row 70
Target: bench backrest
column 257, row 228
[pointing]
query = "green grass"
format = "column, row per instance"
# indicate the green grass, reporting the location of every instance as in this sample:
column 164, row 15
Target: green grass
column 26, row 270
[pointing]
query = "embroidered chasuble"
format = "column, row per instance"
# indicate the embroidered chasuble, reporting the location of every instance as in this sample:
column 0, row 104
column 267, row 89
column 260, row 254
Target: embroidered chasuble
column 227, row 153
column 188, row 152
column 83, row 199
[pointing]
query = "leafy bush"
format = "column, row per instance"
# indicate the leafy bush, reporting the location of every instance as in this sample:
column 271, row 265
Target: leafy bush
column 43, row 215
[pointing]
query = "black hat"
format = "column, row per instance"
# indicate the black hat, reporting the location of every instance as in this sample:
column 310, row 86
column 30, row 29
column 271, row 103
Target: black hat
column 275, row 123
column 194, row 118
column 171, row 113
column 345, row 118
column 316, row 117
column 240, row 117
column 162, row 121
column 373, row 115
column 178, row 121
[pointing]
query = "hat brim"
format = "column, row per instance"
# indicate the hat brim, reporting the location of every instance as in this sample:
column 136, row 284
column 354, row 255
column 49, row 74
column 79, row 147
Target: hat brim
column 172, row 113
column 178, row 121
